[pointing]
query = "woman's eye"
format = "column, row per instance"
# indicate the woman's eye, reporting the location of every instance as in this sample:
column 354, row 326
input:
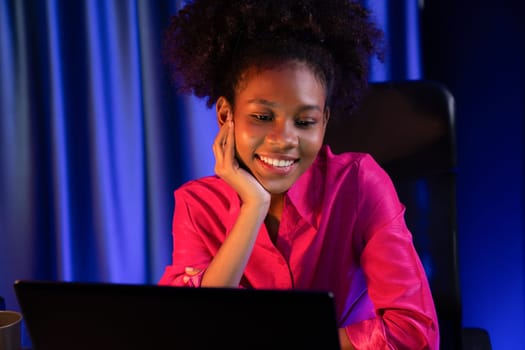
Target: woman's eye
column 305, row 123
column 262, row 117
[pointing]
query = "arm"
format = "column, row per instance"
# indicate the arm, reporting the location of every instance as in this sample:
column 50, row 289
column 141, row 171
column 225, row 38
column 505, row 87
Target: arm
column 396, row 281
column 198, row 254
column 227, row 267
column 344, row 341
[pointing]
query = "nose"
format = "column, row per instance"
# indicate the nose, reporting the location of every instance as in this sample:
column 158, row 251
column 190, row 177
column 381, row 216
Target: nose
column 283, row 135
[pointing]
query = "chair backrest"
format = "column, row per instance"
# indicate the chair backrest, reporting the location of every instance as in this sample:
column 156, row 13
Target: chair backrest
column 408, row 127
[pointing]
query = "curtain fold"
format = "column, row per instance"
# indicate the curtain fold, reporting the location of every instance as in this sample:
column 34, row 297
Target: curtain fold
column 400, row 22
column 92, row 142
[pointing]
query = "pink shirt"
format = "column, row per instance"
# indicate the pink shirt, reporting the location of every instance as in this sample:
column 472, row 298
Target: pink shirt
column 342, row 230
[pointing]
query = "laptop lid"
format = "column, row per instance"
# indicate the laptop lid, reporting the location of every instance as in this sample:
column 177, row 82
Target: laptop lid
column 69, row 315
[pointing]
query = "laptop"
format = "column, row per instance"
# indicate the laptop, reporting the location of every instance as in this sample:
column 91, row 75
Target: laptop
column 102, row 316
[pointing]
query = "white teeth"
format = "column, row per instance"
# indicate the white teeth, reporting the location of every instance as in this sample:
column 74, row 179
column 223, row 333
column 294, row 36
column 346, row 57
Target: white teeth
column 276, row 162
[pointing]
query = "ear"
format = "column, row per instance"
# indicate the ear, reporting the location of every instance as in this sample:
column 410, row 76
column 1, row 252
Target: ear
column 223, row 109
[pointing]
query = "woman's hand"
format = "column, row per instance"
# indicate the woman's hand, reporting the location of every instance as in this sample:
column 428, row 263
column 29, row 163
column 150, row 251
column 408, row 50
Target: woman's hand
column 189, row 273
column 227, row 167
column 227, row 267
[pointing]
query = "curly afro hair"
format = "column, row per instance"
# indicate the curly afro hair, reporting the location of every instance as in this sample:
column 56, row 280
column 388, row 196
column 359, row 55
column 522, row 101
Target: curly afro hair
column 209, row 44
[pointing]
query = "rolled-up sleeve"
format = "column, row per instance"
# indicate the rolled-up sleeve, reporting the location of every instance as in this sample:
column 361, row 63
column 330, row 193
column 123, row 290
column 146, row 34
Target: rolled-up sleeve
column 189, row 249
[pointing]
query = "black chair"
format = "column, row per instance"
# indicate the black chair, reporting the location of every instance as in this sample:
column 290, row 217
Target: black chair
column 408, row 127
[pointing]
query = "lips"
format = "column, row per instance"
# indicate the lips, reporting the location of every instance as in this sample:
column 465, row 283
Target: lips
column 275, row 168
column 279, row 163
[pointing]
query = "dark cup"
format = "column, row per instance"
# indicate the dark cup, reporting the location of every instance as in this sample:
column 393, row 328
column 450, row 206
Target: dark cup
column 10, row 330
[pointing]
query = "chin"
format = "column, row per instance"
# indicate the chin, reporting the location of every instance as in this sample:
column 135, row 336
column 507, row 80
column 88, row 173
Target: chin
column 272, row 189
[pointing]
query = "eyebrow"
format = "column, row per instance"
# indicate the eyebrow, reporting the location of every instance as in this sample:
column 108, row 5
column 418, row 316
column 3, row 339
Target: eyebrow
column 267, row 103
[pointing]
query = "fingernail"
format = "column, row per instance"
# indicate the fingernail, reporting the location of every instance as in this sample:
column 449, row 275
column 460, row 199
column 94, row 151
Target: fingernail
column 189, row 269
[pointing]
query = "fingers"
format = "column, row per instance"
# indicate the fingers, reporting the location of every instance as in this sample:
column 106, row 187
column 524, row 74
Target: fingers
column 220, row 140
column 217, row 148
column 190, row 272
column 229, row 143
column 224, row 148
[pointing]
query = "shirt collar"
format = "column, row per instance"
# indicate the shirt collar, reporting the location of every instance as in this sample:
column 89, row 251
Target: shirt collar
column 307, row 192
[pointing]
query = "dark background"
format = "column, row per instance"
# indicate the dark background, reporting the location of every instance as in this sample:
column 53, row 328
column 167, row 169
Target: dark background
column 477, row 49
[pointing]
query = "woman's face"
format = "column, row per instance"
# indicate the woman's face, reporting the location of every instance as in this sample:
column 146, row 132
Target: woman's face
column 280, row 120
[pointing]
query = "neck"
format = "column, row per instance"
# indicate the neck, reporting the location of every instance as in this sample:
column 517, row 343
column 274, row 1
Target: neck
column 273, row 219
column 276, row 206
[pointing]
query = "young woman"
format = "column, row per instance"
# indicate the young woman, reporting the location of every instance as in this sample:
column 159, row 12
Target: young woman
column 283, row 212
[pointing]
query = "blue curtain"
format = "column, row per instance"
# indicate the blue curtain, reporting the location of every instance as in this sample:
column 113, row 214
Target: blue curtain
column 399, row 21
column 93, row 140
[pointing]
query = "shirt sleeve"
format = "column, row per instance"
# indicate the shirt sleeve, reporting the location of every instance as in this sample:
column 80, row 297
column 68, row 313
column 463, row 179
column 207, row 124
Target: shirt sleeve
column 396, row 281
column 189, row 249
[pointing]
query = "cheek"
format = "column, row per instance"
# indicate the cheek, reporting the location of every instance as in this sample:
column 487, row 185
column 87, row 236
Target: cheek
column 247, row 138
column 243, row 145
column 313, row 143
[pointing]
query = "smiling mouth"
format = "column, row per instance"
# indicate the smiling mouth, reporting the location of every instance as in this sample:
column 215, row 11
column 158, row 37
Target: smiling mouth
column 279, row 163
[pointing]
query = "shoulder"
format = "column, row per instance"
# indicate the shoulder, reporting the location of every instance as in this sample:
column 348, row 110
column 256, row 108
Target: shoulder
column 337, row 165
column 336, row 175
column 211, row 189
column 356, row 172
